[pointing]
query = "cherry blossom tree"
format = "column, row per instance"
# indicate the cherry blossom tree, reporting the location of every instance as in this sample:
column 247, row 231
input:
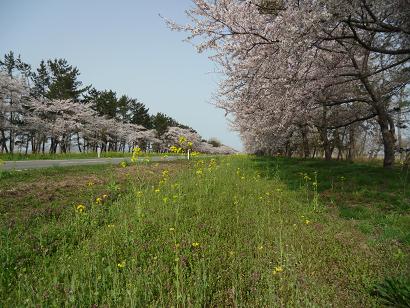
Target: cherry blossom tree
column 296, row 68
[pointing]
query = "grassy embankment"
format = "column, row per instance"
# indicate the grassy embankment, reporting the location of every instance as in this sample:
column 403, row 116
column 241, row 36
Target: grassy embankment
column 238, row 231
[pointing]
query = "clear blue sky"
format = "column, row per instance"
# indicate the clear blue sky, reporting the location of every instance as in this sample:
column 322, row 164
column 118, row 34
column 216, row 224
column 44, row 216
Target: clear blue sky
column 125, row 46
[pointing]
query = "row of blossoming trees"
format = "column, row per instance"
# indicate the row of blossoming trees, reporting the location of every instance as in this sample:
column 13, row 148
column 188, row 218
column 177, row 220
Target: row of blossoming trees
column 35, row 120
column 310, row 77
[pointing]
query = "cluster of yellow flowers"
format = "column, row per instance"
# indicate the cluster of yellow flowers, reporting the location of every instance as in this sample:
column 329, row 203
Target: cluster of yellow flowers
column 136, row 152
column 80, row 208
column 184, row 142
column 101, row 200
column 306, row 221
column 212, row 164
column 277, row 270
column 306, row 177
column 239, row 174
column 183, row 145
column 176, row 150
column 164, row 179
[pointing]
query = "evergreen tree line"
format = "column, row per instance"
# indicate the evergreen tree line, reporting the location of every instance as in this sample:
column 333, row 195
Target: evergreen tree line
column 57, row 80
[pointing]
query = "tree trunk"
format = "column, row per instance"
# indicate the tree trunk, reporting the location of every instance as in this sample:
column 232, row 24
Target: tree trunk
column 11, row 141
column 3, row 142
column 27, row 144
column 305, row 141
column 323, row 135
column 352, row 143
column 326, row 144
column 389, row 139
column 78, row 142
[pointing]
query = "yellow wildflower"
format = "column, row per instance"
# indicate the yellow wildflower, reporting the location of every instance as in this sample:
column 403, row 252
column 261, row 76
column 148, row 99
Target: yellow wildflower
column 260, row 247
column 212, row 163
column 104, row 196
column 98, row 200
column 182, row 140
column 307, row 221
column 277, row 269
column 80, row 208
column 89, row 184
column 135, row 153
column 171, row 229
column 199, row 172
column 157, row 190
column 195, row 244
column 123, row 164
column 111, row 226
column 121, row 264
column 306, row 177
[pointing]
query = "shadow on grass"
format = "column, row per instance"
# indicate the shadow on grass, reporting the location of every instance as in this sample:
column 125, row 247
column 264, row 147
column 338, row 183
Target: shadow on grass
column 378, row 198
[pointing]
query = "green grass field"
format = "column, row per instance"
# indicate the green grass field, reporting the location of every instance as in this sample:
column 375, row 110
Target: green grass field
column 235, row 231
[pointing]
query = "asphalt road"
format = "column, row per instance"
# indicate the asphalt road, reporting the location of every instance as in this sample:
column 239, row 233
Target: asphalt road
column 37, row 164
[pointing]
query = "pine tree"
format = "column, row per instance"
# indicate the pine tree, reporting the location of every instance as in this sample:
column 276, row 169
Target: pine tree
column 139, row 114
column 41, row 80
column 64, row 81
column 9, row 63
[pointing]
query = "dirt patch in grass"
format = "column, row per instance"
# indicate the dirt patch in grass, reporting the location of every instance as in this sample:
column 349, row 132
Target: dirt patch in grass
column 47, row 196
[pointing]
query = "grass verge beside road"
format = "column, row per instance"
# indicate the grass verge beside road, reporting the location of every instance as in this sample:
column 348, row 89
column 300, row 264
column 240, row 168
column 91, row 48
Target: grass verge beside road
column 47, row 156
